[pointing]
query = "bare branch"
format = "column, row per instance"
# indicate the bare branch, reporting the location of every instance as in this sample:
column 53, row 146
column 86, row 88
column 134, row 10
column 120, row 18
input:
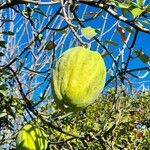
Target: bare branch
column 115, row 15
column 36, row 2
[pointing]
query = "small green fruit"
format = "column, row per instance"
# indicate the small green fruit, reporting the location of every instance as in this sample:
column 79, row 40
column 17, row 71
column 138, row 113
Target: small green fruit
column 78, row 78
column 31, row 137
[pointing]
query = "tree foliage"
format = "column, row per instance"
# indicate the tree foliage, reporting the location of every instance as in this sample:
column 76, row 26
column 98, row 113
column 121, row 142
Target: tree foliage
column 34, row 33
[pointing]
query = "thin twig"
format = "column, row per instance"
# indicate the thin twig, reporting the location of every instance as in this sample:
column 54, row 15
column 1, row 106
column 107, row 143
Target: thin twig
column 115, row 15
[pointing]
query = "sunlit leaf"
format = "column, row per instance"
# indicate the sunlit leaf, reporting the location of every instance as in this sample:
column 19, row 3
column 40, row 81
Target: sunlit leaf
column 3, row 92
column 123, row 5
column 40, row 37
column 88, row 32
column 136, row 12
column 26, row 12
column 3, row 114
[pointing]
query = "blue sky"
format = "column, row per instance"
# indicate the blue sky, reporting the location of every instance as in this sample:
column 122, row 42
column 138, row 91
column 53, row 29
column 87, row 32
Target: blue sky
column 142, row 41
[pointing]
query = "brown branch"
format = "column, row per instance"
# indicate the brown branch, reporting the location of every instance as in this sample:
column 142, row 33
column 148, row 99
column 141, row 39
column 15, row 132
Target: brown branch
column 115, row 15
column 130, row 50
column 17, row 2
column 34, row 111
column 33, row 40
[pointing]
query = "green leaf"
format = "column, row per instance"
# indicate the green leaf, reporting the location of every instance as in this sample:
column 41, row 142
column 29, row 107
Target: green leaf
column 121, row 5
column 40, row 37
column 2, row 44
column 89, row 32
column 50, row 46
column 3, row 92
column 111, row 42
column 38, row 10
column 8, row 32
column 143, row 57
column 1, row 54
column 124, row 5
column 135, row 5
column 105, row 55
column 128, row 29
column 124, row 12
column 148, row 8
column 3, row 87
column 3, row 114
column 136, row 12
column 64, row 31
column 96, row 126
column 140, row 2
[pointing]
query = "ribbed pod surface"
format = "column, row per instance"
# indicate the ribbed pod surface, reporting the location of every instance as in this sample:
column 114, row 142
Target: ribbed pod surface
column 78, row 78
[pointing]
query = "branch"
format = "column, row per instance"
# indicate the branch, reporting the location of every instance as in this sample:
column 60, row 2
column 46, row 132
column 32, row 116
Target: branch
column 34, row 111
column 32, row 41
column 36, row 2
column 130, row 50
column 115, row 15
column 69, row 23
column 139, row 69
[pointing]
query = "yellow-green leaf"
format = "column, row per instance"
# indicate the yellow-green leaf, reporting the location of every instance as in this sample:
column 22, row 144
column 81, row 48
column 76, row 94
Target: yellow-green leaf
column 136, row 12
column 124, row 5
column 88, row 32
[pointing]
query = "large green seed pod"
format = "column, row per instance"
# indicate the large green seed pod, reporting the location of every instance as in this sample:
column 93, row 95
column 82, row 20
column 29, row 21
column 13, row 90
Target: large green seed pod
column 31, row 137
column 78, row 78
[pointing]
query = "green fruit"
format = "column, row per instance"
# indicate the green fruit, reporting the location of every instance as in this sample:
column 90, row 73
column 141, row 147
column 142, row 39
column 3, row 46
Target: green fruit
column 78, row 78
column 31, row 137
